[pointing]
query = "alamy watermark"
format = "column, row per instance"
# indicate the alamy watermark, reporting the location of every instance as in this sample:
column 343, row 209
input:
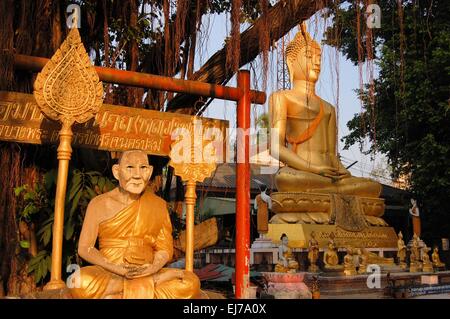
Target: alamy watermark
column 74, row 16
column 212, row 145
column 373, row 16
column 74, row 279
column 374, row 278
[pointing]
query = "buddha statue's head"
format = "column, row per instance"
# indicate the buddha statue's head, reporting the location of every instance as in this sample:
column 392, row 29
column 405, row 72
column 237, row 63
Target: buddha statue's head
column 133, row 171
column 303, row 57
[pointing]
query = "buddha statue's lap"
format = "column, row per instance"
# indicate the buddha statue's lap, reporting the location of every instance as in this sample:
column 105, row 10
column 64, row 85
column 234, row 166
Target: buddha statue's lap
column 288, row 179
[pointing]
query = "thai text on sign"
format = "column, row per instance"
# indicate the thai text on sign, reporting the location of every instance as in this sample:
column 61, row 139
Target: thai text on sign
column 114, row 128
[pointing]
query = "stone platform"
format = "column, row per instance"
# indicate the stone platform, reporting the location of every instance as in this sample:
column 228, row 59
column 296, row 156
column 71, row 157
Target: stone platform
column 395, row 285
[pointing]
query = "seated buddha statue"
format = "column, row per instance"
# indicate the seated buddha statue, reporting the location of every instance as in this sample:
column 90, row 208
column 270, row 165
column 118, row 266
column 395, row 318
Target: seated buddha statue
column 286, row 260
column 307, row 131
column 349, row 263
column 427, row 265
column 330, row 257
column 135, row 241
column 436, row 259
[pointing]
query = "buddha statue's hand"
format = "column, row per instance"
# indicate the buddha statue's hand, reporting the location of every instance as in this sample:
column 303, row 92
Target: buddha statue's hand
column 325, row 171
column 341, row 171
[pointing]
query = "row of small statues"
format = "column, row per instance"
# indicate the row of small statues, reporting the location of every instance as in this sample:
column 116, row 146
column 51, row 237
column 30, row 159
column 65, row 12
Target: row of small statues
column 357, row 257
column 419, row 260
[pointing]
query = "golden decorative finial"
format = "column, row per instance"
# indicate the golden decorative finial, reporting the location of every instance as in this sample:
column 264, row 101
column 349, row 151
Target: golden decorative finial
column 66, row 90
column 301, row 41
column 192, row 172
column 68, row 87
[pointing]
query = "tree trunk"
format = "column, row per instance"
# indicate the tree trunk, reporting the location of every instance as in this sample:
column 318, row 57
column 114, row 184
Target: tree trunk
column 26, row 27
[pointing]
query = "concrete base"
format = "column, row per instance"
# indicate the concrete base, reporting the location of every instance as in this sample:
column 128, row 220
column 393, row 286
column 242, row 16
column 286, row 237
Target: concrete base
column 341, row 286
column 287, row 285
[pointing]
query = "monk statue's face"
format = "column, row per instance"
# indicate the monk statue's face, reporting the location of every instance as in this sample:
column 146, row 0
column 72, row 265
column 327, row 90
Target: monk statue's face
column 306, row 64
column 133, row 172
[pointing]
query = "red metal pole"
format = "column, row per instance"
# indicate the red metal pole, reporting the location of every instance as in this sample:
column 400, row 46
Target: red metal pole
column 243, row 188
column 150, row 81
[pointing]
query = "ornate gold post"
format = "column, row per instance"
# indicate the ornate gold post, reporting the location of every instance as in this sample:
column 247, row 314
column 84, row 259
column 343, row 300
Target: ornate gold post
column 64, row 154
column 67, row 90
column 190, row 199
column 192, row 172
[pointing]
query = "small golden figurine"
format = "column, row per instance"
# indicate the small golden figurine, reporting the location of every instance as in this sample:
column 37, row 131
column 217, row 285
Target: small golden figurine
column 415, row 264
column 313, row 253
column 363, row 261
column 349, row 264
column 330, row 257
column 401, row 253
column 426, row 262
column 436, row 260
column 286, row 261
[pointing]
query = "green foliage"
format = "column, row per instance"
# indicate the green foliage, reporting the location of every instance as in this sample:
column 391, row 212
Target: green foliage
column 38, row 207
column 410, row 120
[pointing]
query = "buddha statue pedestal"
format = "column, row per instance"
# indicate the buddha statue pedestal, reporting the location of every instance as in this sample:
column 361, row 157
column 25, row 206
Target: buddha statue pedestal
column 415, row 266
column 297, row 214
column 287, row 285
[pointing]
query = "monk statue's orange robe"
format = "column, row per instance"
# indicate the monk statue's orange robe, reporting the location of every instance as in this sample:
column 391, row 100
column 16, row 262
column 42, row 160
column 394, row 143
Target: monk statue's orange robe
column 133, row 236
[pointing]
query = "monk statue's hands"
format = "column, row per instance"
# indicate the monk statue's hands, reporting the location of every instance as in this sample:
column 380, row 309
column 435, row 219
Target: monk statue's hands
column 141, row 271
column 121, row 269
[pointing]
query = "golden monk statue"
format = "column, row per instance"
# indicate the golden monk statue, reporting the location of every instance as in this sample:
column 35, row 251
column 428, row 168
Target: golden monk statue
column 414, row 264
column 349, row 263
column 134, row 232
column 427, row 265
column 436, row 259
column 286, row 260
column 330, row 257
column 363, row 259
column 307, row 132
column 313, row 253
column 401, row 252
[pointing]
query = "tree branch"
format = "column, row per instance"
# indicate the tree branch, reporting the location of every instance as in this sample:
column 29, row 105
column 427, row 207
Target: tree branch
column 283, row 17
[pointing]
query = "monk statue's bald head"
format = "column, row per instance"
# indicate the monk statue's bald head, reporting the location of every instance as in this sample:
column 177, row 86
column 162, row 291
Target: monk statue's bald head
column 133, row 171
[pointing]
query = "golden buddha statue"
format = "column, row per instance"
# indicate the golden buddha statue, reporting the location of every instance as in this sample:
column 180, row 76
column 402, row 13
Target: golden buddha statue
column 436, row 259
column 313, row 253
column 286, row 260
column 349, row 263
column 401, row 252
column 323, row 190
column 134, row 232
column 427, row 265
column 330, row 257
column 414, row 264
column 363, row 259
column 373, row 258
